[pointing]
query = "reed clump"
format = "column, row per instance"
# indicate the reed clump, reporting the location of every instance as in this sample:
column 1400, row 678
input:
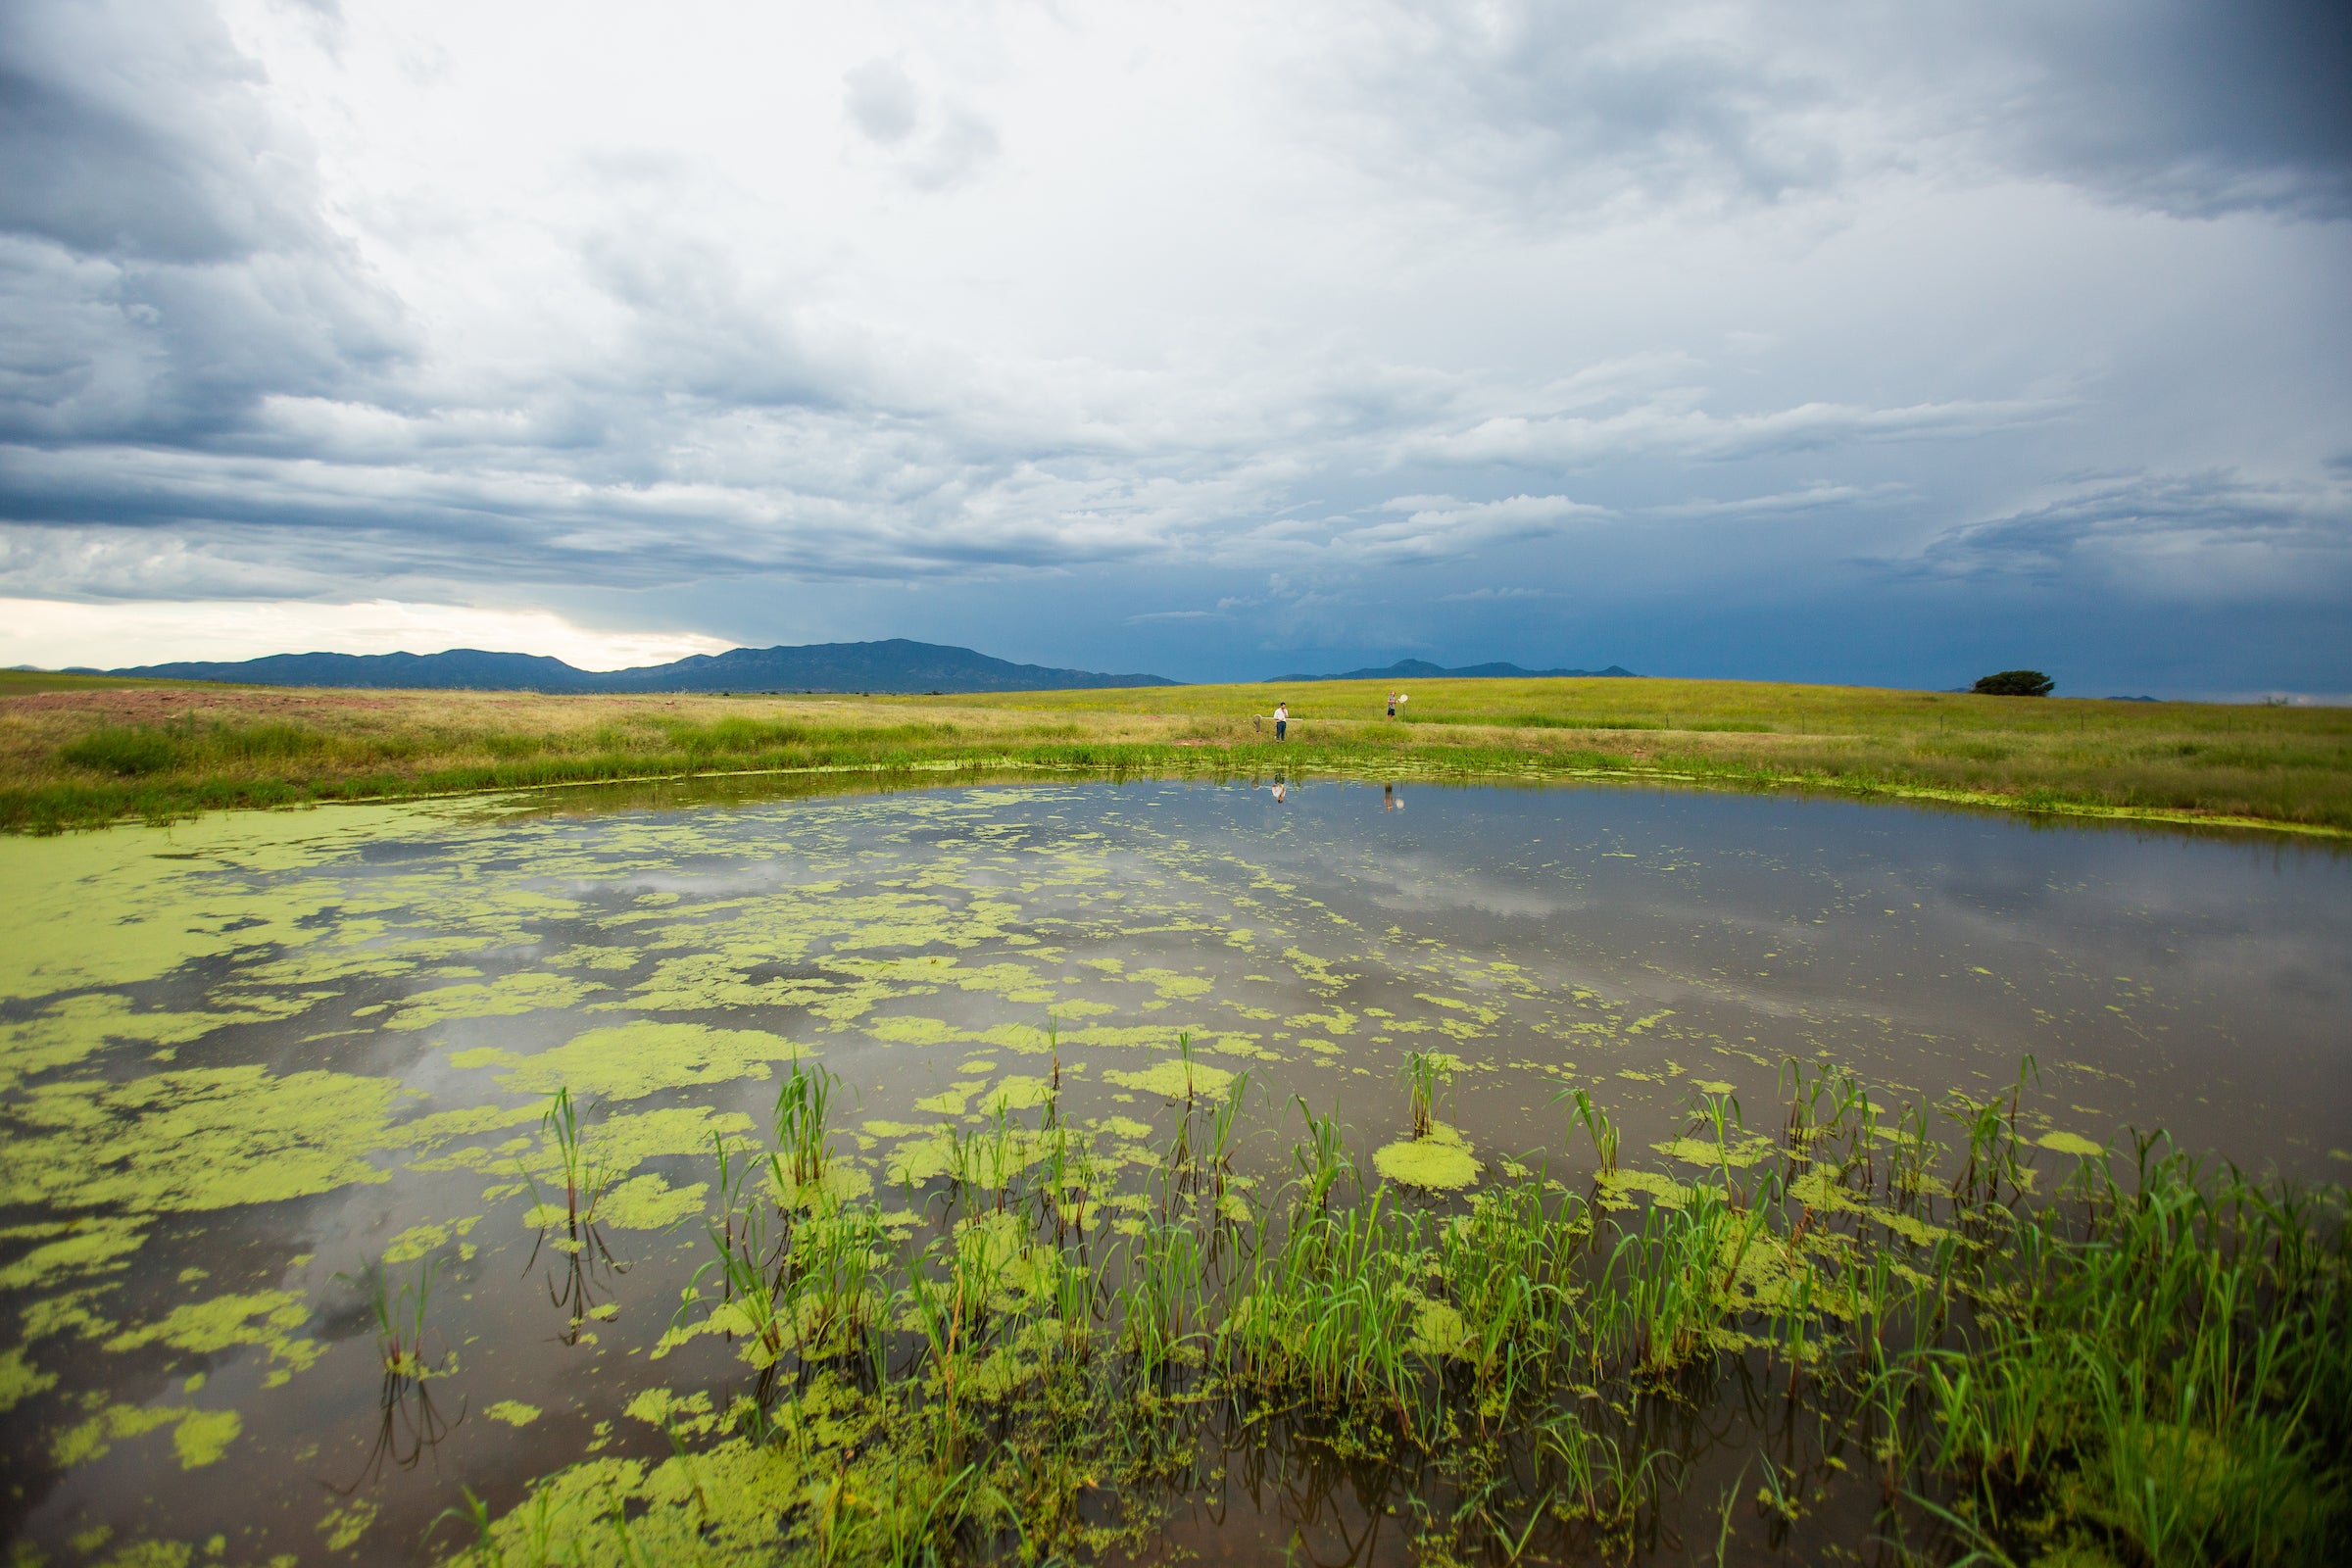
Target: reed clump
column 2137, row 1358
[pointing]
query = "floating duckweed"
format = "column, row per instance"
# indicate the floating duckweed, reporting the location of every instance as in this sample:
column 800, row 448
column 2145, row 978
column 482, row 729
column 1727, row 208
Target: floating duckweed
column 202, row 1437
column 922, row 1158
column 649, row 1203
column 95, row 1438
column 206, row 1139
column 2064, row 1143
column 19, row 1379
column 508, row 995
column 77, row 1027
column 1017, row 1091
column 1174, row 1078
column 630, row 1062
column 1618, row 1186
column 514, row 1412
column 1171, row 986
column 911, row 1030
column 1442, row 1161
column 418, row 1240
column 1438, row 1331
column 1738, row 1153
column 227, row 1321
column 99, row 1244
column 953, row 1100
column 343, row 1526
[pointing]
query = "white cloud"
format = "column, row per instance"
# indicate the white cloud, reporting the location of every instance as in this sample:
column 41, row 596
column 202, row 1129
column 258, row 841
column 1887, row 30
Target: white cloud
column 53, row 634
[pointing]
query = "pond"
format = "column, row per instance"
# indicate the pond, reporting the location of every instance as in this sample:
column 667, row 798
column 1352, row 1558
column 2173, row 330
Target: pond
column 257, row 1068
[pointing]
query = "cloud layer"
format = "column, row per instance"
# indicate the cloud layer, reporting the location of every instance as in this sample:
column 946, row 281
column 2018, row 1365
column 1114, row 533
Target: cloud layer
column 1558, row 332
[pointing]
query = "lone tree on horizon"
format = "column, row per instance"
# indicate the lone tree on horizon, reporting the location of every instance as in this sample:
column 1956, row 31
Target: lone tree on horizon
column 2016, row 683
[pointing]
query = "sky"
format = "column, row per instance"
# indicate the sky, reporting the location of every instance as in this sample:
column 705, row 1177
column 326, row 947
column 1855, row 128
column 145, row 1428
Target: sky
column 1890, row 342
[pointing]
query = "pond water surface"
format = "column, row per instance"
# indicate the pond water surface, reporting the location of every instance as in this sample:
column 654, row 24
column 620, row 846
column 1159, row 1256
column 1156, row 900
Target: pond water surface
column 243, row 1057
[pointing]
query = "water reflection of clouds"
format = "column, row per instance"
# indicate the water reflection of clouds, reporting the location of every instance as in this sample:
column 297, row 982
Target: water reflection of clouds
column 1424, row 881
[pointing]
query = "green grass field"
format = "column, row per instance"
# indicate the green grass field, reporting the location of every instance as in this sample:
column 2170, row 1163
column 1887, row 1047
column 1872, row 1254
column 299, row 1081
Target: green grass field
column 79, row 752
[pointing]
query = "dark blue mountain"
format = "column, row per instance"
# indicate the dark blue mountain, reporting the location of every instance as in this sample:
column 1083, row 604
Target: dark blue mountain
column 894, row 666
column 1423, row 669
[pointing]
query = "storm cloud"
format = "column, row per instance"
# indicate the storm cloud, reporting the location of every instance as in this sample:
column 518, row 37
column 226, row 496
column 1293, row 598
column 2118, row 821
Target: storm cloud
column 1569, row 333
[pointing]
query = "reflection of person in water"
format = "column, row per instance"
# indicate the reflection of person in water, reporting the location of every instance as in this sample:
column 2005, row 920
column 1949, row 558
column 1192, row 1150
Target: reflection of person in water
column 1280, row 794
column 1387, row 799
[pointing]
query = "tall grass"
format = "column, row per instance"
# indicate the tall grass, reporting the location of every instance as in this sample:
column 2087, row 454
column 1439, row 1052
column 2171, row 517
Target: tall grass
column 2144, row 1360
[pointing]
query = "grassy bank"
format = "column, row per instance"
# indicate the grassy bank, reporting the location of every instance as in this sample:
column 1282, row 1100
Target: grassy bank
column 76, row 754
column 1844, row 1339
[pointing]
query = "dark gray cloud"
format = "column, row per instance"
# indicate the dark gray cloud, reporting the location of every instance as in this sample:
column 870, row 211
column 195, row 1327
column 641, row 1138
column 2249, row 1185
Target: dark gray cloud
column 2187, row 107
column 2177, row 105
column 164, row 263
column 2211, row 536
column 135, row 132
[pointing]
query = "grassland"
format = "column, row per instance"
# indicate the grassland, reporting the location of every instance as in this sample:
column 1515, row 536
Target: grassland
column 77, row 752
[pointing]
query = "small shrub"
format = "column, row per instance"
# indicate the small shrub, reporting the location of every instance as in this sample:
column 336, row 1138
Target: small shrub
column 2016, row 683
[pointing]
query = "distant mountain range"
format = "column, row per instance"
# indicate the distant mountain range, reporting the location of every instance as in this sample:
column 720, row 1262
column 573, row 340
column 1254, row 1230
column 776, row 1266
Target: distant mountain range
column 894, row 666
column 1423, row 669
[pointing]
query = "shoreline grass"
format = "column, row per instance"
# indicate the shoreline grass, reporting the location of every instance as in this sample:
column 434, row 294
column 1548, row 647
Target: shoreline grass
column 84, row 757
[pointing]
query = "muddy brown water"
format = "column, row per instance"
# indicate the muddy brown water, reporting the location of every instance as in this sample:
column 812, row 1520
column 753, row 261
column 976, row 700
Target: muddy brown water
column 243, row 1056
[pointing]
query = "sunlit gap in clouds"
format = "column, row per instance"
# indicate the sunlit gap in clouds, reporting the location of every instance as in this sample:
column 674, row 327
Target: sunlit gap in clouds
column 52, row 634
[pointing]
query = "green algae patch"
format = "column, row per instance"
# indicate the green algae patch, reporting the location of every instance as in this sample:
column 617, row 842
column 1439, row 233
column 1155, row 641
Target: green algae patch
column 202, row 1438
column 1738, row 1154
column 914, row 1030
column 421, row 1241
column 95, row 1245
column 514, row 1412
column 19, row 1379
column 2064, row 1143
column 953, row 1100
column 78, row 1027
column 101, row 909
column 628, row 1062
column 1171, row 986
column 225, row 1322
column 650, row 1203
column 724, row 1504
column 922, row 1157
column 199, row 1436
column 343, row 1526
column 199, row 1139
column 1017, row 1091
column 506, row 997
column 1175, row 1078
column 1439, row 1331
column 1617, row 1189
column 1442, row 1161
